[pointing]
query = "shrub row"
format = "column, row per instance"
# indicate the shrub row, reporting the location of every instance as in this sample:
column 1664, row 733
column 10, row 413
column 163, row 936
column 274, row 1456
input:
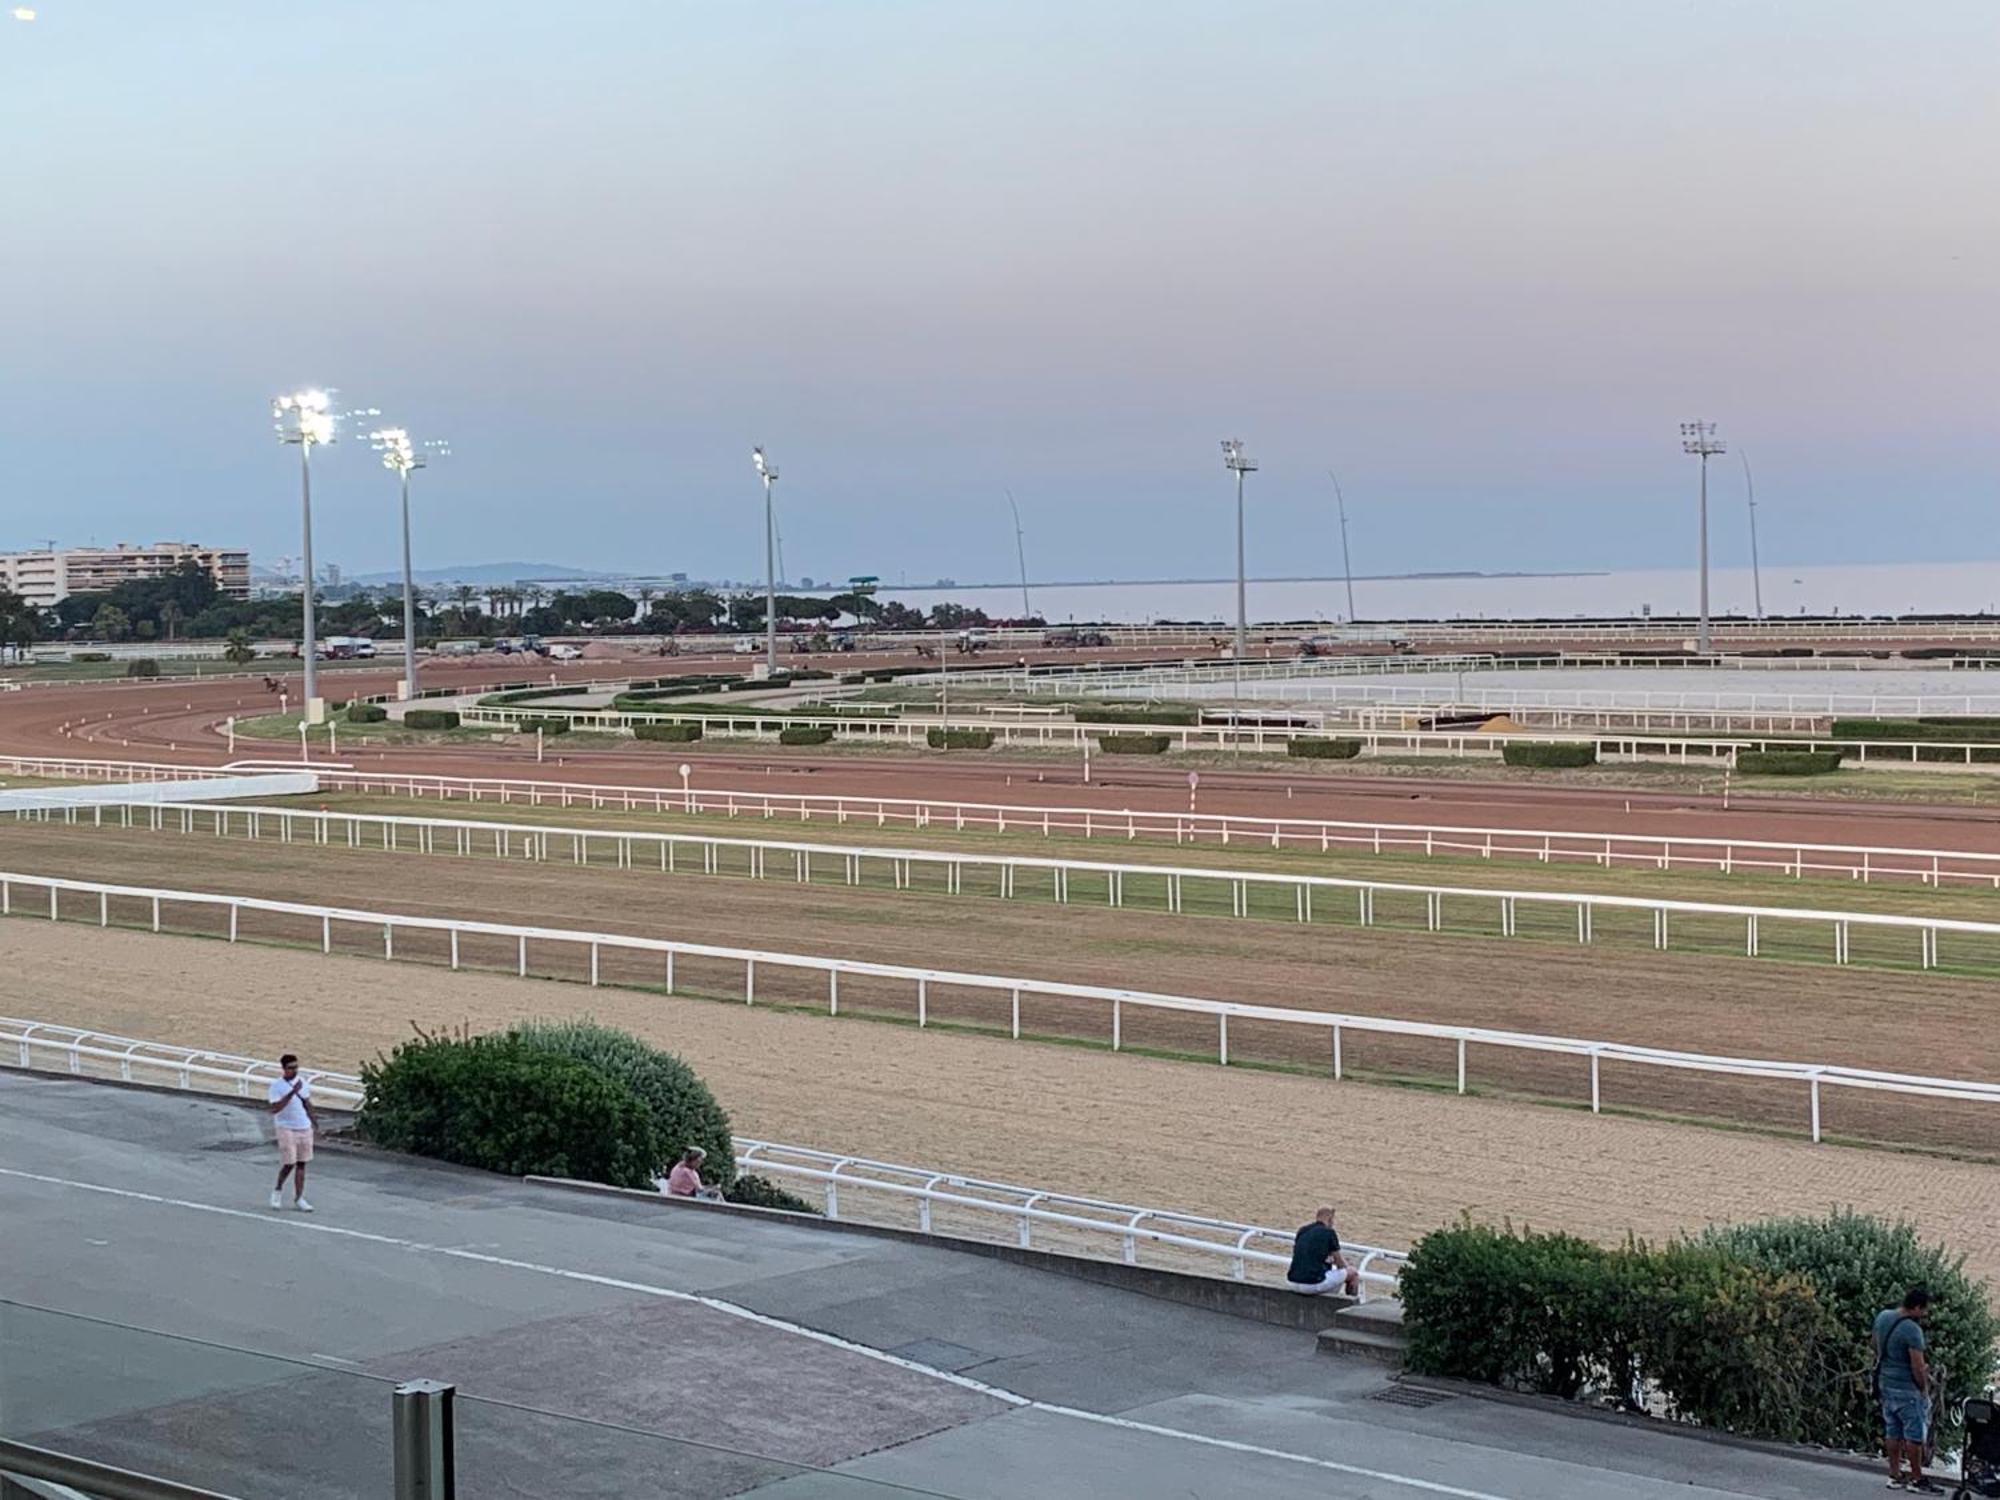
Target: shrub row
column 1958, row 731
column 90, row 656
column 673, row 734
column 1550, row 753
column 803, row 734
column 524, row 695
column 1161, row 714
column 1134, row 744
column 1305, row 747
column 145, row 666
column 959, row 739
column 430, row 718
column 1759, row 1329
column 366, row 713
column 546, row 726
column 1787, row 762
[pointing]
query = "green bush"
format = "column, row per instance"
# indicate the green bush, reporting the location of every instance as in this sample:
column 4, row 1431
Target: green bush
column 366, row 713
column 1164, row 713
column 1550, row 754
column 1134, row 744
column 497, row 1103
column 1859, row 1265
column 524, row 695
column 1787, row 762
column 545, row 725
column 1304, row 747
column 805, row 735
column 673, row 734
column 1721, row 1342
column 430, row 718
column 1955, row 730
column 684, row 1112
column 335, row 705
column 753, row 1191
column 959, row 739
column 90, row 656
column 144, row 666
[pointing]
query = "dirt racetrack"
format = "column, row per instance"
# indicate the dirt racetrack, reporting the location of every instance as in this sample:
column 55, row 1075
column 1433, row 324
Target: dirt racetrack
column 1903, row 1022
column 1250, row 1145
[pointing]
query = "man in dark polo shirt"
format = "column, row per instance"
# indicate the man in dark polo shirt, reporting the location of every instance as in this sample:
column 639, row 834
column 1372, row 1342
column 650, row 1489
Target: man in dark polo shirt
column 1317, row 1264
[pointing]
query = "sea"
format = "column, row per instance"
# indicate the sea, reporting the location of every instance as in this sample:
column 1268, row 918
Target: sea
column 1863, row 589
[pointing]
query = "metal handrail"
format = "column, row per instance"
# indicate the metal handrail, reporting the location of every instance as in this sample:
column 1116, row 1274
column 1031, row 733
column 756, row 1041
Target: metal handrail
column 98, row 1480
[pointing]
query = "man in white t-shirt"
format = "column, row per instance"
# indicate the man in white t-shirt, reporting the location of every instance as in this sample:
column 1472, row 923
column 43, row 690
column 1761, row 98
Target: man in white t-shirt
column 291, row 1102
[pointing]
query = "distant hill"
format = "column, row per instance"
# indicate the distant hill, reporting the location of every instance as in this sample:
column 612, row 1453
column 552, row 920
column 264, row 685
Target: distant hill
column 495, row 573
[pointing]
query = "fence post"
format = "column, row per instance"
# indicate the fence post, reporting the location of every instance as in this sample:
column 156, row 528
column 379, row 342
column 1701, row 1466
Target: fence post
column 749, row 981
column 923, row 1002
column 1222, row 1050
column 1596, row 1097
column 423, row 1425
column 833, row 992
column 593, row 963
column 1815, row 1109
column 1461, row 1065
column 1017, row 1014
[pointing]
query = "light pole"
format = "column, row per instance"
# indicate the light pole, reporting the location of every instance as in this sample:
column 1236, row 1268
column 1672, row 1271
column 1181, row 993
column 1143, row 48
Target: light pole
column 1346, row 563
column 768, row 472
column 1020, row 552
column 1233, row 459
column 1699, row 439
column 306, row 418
column 402, row 457
column 1756, row 574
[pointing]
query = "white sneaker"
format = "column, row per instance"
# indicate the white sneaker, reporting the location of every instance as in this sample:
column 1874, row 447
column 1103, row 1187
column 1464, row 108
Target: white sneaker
column 302, row 1206
column 277, row 1199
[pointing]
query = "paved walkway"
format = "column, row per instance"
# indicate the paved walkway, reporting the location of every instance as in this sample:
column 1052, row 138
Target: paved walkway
column 611, row 1347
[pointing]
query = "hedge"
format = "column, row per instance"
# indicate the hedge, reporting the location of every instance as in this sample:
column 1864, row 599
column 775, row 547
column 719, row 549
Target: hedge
column 525, row 695
column 1163, row 714
column 675, row 734
column 497, row 1103
column 1956, row 730
column 805, row 735
column 1787, row 762
column 760, row 1192
column 546, row 726
column 1134, row 744
column 145, row 666
column 90, row 656
column 430, row 718
column 1550, row 753
column 959, row 739
column 1304, row 747
column 366, row 713
column 683, row 1110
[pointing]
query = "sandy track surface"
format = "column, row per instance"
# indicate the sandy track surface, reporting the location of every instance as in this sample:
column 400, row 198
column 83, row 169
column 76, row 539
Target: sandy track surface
column 1250, row 1145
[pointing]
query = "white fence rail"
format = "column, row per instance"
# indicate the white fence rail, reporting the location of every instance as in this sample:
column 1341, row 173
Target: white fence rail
column 1111, row 1004
column 47, row 1047
column 1160, row 887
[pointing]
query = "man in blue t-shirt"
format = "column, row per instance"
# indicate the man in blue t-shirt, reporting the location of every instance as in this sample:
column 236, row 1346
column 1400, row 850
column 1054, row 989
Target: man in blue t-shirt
column 1903, row 1376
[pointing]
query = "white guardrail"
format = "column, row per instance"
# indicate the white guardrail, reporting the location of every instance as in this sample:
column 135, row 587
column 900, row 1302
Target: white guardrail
column 44, row 1046
column 1866, row 863
column 1160, row 887
column 1115, row 1001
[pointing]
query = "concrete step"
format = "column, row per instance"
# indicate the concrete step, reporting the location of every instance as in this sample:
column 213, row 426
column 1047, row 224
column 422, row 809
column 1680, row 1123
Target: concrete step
column 1371, row 1330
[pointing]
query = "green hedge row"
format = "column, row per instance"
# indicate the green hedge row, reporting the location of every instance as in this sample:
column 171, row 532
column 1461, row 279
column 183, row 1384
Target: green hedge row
column 1758, row 1329
column 524, row 695
column 1134, row 744
column 673, row 734
column 959, row 739
column 546, row 726
column 803, row 734
column 366, row 713
column 431, row 718
column 1305, row 747
column 1550, row 753
column 1958, row 731
column 1160, row 714
column 1787, row 762
column 145, row 666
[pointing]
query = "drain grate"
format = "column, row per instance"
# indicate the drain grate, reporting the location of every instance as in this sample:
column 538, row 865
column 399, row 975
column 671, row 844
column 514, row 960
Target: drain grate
column 1410, row 1395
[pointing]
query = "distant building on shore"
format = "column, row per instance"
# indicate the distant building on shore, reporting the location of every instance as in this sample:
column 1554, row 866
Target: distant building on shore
column 46, row 577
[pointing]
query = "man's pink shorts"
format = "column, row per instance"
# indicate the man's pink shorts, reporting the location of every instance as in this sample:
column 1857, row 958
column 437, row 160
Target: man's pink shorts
column 294, row 1147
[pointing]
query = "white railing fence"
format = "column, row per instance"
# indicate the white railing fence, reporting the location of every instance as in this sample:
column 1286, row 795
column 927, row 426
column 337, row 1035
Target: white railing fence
column 1105, row 1007
column 973, row 1202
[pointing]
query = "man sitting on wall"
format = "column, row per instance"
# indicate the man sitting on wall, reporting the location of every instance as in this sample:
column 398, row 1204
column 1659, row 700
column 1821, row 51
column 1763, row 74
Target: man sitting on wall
column 1317, row 1264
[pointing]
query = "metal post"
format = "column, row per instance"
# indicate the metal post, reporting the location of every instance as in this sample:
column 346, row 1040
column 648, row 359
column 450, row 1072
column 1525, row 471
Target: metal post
column 306, row 507
column 1242, row 621
column 1701, row 641
column 1756, row 575
column 423, row 1423
column 409, row 602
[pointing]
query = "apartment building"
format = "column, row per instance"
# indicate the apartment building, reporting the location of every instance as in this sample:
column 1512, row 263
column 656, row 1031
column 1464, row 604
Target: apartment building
column 44, row 577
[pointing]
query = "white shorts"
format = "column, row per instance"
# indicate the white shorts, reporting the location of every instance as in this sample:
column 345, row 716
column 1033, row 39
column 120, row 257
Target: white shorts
column 1336, row 1281
column 295, row 1147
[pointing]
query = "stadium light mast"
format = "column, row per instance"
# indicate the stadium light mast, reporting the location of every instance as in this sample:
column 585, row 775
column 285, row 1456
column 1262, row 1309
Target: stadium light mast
column 1756, row 574
column 768, row 472
column 1699, row 439
column 1020, row 553
column 306, row 418
column 1239, row 464
column 403, row 457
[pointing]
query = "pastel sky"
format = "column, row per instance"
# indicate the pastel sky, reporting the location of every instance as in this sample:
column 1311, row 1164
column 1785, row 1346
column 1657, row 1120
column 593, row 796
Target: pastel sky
column 1480, row 258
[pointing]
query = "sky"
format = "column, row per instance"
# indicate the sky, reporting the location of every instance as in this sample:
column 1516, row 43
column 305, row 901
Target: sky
column 1480, row 260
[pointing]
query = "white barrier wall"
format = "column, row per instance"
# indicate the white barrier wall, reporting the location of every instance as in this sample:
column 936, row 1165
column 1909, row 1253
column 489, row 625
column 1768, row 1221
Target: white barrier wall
column 205, row 789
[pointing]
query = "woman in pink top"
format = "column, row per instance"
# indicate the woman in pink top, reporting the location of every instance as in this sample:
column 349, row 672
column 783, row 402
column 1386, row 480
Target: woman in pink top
column 684, row 1181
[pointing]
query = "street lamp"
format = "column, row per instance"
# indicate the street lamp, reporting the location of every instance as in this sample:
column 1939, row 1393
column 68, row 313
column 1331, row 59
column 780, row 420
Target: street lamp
column 1233, row 459
column 402, row 457
column 1699, row 439
column 307, row 419
column 768, row 472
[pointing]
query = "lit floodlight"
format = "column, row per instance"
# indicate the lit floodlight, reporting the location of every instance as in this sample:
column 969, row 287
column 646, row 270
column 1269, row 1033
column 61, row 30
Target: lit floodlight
column 1233, row 458
column 766, row 470
column 306, row 418
column 1699, row 439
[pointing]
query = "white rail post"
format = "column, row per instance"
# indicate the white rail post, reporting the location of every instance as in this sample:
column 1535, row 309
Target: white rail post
column 749, row 981
column 454, row 947
column 833, row 992
column 521, row 957
column 325, row 932
column 670, row 971
column 1336, row 1052
column 1017, row 1014
column 923, row 1002
column 593, row 963
column 1596, row 1096
column 234, row 908
column 1222, row 1048
column 1117, row 1024
column 1461, row 1065
column 1815, row 1109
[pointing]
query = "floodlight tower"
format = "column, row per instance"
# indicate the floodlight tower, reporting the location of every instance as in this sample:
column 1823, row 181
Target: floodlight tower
column 768, row 472
column 1234, row 460
column 1699, row 439
column 1021, row 553
column 403, row 457
column 306, row 418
